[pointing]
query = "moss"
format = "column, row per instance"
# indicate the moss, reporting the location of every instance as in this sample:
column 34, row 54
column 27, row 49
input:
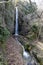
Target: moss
column 27, row 47
column 2, row 60
column 39, row 60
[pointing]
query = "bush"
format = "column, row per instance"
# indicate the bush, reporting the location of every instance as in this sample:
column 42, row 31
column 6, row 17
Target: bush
column 4, row 33
column 27, row 47
column 33, row 34
column 27, row 8
column 35, row 29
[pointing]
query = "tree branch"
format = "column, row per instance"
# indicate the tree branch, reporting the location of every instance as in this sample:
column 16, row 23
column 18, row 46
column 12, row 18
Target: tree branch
column 4, row 1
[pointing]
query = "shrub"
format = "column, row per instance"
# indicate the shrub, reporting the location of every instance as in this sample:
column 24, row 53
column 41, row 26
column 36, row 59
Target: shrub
column 27, row 47
column 35, row 30
column 4, row 33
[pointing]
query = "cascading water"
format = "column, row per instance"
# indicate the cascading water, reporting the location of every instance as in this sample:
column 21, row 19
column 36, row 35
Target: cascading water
column 26, row 55
column 16, row 26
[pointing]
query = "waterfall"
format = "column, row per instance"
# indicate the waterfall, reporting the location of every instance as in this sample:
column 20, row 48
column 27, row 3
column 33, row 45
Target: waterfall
column 26, row 55
column 16, row 25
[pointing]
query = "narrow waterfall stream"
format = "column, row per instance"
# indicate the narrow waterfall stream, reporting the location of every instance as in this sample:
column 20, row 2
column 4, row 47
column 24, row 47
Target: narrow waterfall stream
column 26, row 56
column 16, row 26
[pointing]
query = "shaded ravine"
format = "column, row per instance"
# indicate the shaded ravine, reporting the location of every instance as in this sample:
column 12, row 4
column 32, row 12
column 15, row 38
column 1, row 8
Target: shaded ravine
column 29, row 59
column 26, row 56
column 15, row 53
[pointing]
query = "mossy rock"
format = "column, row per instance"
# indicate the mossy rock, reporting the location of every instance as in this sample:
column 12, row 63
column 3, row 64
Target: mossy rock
column 39, row 59
column 27, row 47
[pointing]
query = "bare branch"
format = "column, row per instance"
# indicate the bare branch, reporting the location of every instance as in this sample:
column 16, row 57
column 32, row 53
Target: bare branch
column 39, row 16
column 4, row 2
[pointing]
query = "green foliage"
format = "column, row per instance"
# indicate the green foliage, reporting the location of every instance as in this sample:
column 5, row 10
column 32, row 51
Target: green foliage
column 34, row 29
column 27, row 47
column 33, row 34
column 4, row 33
column 2, row 60
column 9, row 16
column 27, row 8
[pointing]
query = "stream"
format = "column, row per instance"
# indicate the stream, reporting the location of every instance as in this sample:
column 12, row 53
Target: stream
column 28, row 58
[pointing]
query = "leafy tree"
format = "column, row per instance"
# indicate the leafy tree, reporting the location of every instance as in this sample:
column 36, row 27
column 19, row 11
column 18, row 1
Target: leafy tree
column 4, row 33
column 27, row 7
